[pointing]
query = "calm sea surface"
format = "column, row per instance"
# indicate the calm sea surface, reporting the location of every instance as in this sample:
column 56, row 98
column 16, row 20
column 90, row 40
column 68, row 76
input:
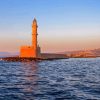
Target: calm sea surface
column 67, row 79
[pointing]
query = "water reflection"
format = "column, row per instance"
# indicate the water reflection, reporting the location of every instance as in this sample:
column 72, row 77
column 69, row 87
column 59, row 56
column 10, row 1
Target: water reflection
column 18, row 81
column 30, row 78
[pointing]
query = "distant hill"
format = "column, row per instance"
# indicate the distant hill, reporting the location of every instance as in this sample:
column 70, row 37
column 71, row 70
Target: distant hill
column 8, row 54
column 96, row 52
column 83, row 53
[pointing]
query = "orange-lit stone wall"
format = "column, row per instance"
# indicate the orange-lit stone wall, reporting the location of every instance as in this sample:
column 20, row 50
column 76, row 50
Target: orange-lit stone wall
column 27, row 51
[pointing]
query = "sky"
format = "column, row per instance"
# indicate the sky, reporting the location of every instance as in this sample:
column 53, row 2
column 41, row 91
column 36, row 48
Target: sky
column 63, row 25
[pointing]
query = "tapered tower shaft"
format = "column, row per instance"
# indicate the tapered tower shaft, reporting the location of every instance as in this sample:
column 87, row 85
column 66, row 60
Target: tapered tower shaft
column 34, row 37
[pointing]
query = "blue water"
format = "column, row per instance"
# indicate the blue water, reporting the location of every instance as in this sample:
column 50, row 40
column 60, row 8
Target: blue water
column 67, row 79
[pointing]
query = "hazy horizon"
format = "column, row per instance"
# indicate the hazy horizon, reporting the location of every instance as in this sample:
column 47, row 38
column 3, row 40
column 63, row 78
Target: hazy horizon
column 63, row 25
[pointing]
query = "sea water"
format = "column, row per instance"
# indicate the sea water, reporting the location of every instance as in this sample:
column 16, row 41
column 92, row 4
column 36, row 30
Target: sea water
column 65, row 79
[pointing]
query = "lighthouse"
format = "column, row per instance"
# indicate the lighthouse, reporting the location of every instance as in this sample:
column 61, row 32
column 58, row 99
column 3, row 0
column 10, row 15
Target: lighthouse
column 32, row 51
column 34, row 37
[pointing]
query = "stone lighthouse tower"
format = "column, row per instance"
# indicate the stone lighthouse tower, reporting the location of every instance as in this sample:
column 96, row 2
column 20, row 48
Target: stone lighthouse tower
column 34, row 37
column 32, row 51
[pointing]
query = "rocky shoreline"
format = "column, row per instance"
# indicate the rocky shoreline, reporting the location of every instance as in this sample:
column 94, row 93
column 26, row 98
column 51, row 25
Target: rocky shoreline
column 19, row 59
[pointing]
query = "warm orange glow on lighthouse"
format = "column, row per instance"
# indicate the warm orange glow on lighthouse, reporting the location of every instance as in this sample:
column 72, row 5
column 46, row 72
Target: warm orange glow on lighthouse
column 34, row 36
column 33, row 50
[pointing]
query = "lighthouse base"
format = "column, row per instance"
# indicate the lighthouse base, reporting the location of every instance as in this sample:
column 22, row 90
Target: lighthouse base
column 27, row 51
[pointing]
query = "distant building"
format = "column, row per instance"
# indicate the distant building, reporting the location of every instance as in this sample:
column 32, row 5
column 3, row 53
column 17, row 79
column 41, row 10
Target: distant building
column 34, row 50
